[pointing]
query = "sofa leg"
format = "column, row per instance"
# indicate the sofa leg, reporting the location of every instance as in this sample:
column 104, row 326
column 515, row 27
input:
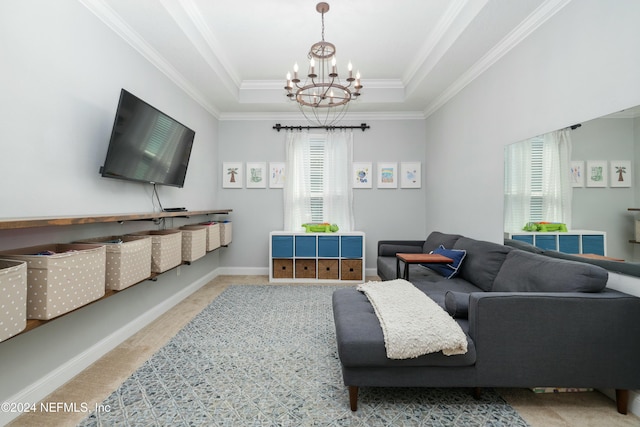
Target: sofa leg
column 622, row 401
column 353, row 397
column 477, row 391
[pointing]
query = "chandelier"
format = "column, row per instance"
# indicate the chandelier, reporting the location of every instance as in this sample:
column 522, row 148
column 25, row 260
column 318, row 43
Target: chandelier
column 323, row 98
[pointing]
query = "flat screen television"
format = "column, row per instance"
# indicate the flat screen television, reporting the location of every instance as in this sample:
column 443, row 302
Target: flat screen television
column 147, row 145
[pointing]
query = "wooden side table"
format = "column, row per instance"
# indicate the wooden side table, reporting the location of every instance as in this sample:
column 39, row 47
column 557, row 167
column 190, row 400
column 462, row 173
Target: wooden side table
column 418, row 259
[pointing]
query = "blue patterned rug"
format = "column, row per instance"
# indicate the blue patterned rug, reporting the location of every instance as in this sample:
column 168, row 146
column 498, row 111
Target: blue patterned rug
column 266, row 356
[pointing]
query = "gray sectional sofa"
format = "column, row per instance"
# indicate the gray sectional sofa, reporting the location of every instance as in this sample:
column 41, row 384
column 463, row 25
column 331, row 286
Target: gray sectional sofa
column 530, row 321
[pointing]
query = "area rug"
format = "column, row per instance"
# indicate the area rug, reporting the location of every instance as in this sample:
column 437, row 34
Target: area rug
column 266, row 356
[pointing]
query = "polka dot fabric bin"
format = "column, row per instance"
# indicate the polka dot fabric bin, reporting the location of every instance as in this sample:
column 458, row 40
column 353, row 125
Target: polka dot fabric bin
column 166, row 249
column 128, row 262
column 194, row 242
column 225, row 232
column 73, row 276
column 213, row 235
column 13, row 298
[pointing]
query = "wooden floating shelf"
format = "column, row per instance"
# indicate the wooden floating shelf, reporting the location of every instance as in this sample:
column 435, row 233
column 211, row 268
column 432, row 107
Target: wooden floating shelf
column 15, row 223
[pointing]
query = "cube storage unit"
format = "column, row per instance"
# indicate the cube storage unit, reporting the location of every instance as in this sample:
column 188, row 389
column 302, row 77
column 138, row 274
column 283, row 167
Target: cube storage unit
column 128, row 260
column 13, row 297
column 571, row 242
column 61, row 277
column 226, row 231
column 322, row 257
column 194, row 242
column 166, row 249
column 213, row 235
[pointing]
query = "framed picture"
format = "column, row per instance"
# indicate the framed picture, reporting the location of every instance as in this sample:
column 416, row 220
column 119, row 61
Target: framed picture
column 387, row 175
column 256, row 175
column 410, row 175
column 621, row 173
column 576, row 173
column 276, row 174
column 596, row 173
column 232, row 175
column 362, row 175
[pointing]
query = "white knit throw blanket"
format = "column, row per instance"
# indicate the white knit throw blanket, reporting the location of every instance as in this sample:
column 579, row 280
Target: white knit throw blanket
column 412, row 323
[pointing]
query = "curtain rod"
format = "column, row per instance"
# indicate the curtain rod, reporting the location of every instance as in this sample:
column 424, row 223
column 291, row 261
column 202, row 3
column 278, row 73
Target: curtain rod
column 279, row 127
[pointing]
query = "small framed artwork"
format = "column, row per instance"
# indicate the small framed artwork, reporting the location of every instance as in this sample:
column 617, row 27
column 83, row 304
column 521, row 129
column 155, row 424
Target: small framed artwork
column 362, row 175
column 232, row 175
column 276, row 174
column 620, row 173
column 410, row 175
column 576, row 174
column 596, row 173
column 387, row 175
column 256, row 175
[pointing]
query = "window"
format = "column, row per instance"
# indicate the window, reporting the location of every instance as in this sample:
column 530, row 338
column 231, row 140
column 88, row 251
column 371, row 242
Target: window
column 317, row 186
column 536, row 181
column 316, row 177
column 536, row 196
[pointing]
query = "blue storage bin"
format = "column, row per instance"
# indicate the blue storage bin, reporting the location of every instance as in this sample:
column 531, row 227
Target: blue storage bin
column 328, row 246
column 593, row 244
column 351, row 246
column 546, row 242
column 569, row 244
column 282, row 246
column 305, row 246
column 524, row 238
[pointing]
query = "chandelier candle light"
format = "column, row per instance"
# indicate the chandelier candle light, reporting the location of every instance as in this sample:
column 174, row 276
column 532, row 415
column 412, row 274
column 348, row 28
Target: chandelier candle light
column 323, row 98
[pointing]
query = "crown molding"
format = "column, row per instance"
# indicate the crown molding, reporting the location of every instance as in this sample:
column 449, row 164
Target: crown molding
column 538, row 17
column 270, row 91
column 350, row 116
column 189, row 19
column 455, row 20
column 112, row 20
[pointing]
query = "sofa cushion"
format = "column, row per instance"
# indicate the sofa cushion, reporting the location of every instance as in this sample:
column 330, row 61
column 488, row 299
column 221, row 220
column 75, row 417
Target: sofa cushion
column 437, row 238
column 457, row 304
column 447, row 270
column 519, row 244
column 361, row 341
column 528, row 272
column 483, row 261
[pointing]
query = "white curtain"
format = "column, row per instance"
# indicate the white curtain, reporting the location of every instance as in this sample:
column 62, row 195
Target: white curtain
column 338, row 194
column 517, row 185
column 556, row 190
column 297, row 189
column 556, row 178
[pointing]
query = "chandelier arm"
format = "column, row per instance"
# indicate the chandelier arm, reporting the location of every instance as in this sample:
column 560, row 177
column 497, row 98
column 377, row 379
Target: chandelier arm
column 323, row 98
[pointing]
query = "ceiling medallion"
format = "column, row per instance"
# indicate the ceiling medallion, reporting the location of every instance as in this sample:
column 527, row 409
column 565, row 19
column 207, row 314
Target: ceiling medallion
column 323, row 98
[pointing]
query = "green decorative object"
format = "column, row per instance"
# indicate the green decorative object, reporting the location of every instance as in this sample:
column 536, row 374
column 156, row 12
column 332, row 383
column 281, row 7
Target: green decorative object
column 324, row 227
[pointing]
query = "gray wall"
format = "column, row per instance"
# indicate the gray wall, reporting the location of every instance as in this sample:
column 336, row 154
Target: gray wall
column 62, row 71
column 380, row 213
column 581, row 64
column 605, row 209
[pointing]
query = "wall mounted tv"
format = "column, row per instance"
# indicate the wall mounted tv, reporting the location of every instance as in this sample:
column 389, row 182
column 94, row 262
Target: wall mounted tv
column 147, row 145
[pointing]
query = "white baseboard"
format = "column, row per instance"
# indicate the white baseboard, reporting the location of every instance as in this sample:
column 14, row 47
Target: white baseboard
column 264, row 271
column 243, row 271
column 44, row 386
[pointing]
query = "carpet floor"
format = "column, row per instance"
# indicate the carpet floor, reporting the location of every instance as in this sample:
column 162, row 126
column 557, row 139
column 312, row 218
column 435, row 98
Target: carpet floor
column 98, row 381
column 266, row 356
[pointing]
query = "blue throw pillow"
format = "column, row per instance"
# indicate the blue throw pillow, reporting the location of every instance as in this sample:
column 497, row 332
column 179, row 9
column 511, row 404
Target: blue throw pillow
column 448, row 270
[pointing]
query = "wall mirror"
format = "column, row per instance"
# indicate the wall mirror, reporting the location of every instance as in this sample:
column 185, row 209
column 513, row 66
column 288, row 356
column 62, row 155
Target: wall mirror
column 609, row 145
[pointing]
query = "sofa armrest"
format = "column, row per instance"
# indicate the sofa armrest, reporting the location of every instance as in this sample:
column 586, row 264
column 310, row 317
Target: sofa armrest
column 392, row 247
column 556, row 339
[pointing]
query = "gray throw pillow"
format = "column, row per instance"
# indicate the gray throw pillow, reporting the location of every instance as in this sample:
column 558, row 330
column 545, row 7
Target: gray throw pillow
column 436, row 239
column 528, row 272
column 457, row 304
